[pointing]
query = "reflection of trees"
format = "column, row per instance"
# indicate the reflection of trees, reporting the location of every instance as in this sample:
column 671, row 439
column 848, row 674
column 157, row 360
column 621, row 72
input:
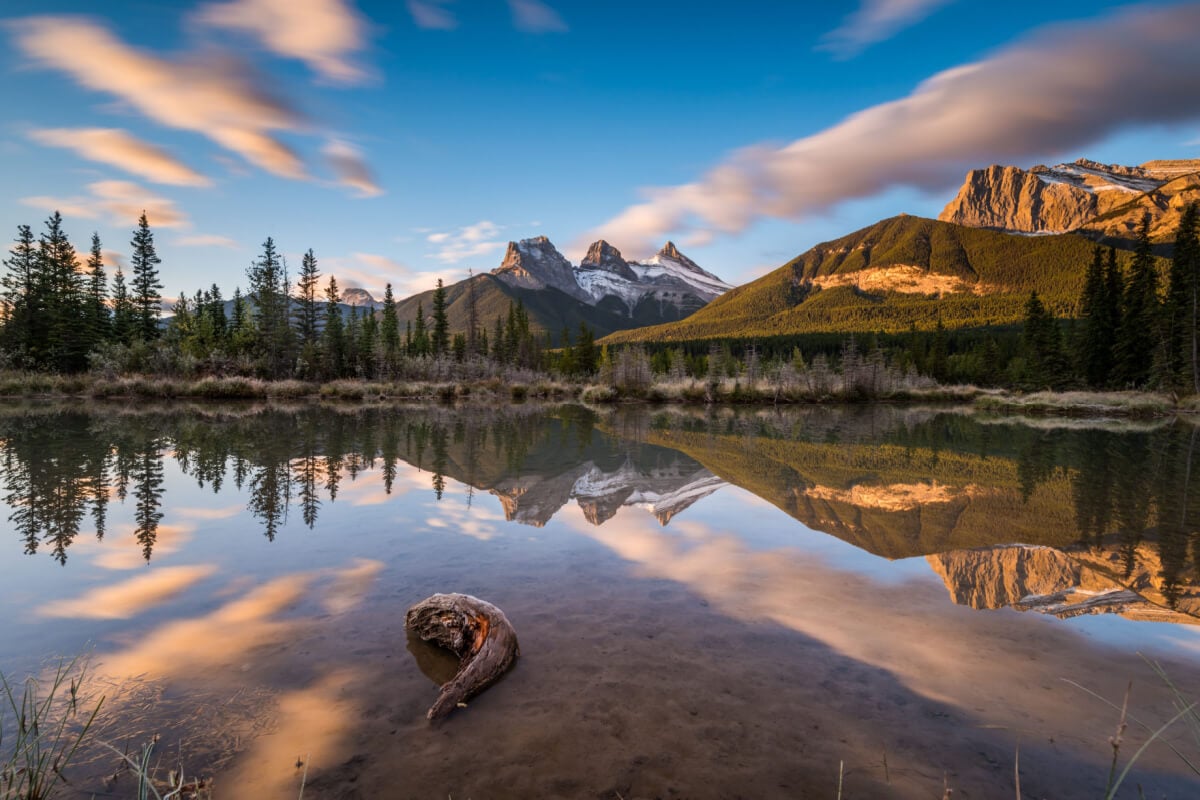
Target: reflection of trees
column 58, row 467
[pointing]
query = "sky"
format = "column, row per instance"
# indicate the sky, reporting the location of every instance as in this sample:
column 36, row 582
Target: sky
column 409, row 141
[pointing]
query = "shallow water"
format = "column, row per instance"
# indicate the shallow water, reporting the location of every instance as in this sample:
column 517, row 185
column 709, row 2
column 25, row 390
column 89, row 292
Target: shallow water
column 722, row 604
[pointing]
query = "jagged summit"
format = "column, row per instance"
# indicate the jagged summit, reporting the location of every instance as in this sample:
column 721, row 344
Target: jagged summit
column 1083, row 196
column 602, row 255
column 663, row 288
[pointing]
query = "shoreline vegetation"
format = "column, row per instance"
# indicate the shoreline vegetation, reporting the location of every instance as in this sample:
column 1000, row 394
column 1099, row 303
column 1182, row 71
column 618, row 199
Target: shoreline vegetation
column 726, row 391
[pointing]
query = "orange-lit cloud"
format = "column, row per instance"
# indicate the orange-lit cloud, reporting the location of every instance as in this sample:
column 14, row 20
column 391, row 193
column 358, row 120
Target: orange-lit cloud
column 321, row 33
column 123, row 202
column 131, row 597
column 120, row 149
column 1059, row 89
column 351, row 168
column 209, row 94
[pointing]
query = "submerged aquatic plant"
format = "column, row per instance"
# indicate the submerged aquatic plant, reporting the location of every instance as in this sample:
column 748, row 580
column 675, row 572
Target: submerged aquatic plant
column 45, row 730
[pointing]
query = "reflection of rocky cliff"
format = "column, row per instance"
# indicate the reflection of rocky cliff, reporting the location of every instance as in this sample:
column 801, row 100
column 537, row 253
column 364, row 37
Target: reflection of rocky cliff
column 1062, row 583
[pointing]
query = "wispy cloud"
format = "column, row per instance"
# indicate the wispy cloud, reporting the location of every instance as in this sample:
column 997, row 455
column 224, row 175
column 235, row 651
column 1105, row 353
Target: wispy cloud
column 373, row 272
column 351, row 168
column 120, row 149
column 467, row 242
column 321, row 33
column 432, row 14
column 876, row 21
column 121, row 201
column 213, row 95
column 131, row 597
column 534, row 16
column 1060, row 89
column 206, row 240
column 531, row 16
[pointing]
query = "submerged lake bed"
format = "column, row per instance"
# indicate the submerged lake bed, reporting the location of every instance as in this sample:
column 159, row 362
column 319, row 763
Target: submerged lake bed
column 710, row 603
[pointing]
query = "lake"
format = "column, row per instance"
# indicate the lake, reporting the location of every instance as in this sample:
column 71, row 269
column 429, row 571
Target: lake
column 710, row 603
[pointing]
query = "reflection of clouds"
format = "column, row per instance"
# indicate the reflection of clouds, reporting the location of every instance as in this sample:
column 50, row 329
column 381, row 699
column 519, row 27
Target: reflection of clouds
column 132, row 596
column 475, row 520
column 351, row 584
column 213, row 640
column 209, row 513
column 312, row 724
column 124, row 551
column 985, row 664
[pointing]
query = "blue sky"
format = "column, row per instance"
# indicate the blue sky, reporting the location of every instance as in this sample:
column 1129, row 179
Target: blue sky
column 409, row 141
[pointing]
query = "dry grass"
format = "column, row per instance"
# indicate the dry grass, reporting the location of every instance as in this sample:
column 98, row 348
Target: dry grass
column 1086, row 404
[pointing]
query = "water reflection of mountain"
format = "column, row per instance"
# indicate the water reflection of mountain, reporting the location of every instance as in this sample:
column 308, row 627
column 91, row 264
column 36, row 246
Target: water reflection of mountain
column 1117, row 507
column 1107, row 514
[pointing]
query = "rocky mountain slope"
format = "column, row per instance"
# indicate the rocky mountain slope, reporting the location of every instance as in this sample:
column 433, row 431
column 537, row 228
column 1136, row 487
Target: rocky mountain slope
column 1100, row 200
column 898, row 272
column 605, row 292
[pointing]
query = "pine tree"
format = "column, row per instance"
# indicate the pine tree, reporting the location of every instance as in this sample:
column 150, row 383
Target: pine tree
column 369, row 343
column 1041, row 341
column 585, row 350
column 62, row 343
column 1095, row 345
column 123, row 317
column 1183, row 298
column 440, row 340
column 334, row 338
column 145, row 287
column 269, row 293
column 939, row 357
column 307, row 313
column 1137, row 336
column 390, row 331
column 420, row 339
column 20, row 293
column 97, row 308
column 472, row 316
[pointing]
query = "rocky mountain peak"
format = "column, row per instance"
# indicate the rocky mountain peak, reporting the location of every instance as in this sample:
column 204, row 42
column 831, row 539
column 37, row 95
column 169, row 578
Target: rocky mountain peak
column 670, row 251
column 354, row 296
column 602, row 255
column 536, row 264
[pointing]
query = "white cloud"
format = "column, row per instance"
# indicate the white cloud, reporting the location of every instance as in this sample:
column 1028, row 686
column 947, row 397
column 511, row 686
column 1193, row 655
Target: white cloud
column 350, row 167
column 373, row 271
column 120, row 149
column 123, row 202
column 1058, row 90
column 321, row 33
column 534, row 16
column 432, row 14
column 206, row 240
column 211, row 94
column 876, row 21
column 469, row 241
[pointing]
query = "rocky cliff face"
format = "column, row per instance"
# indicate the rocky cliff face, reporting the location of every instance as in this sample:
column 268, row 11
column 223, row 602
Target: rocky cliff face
column 1084, row 196
column 667, row 287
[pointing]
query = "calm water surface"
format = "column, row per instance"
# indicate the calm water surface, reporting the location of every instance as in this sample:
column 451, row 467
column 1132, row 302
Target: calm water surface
column 710, row 604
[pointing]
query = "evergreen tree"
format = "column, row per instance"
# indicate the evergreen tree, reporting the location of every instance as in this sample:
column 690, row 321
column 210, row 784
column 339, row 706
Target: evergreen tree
column 390, row 331
column 473, row 317
column 62, row 344
column 334, row 338
column 440, row 340
column 1137, row 336
column 97, row 291
column 1183, row 294
column 353, row 349
column 269, row 293
column 499, row 349
column 369, row 343
column 123, row 315
column 20, row 293
column 1041, row 341
column 144, row 290
column 1095, row 345
column 585, row 350
column 420, row 339
column 939, row 357
column 307, row 312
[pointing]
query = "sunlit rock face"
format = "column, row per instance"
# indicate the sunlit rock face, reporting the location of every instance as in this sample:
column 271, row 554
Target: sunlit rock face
column 1083, row 196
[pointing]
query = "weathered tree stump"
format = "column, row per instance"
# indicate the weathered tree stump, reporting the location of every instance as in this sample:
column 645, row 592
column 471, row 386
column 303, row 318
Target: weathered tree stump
column 474, row 630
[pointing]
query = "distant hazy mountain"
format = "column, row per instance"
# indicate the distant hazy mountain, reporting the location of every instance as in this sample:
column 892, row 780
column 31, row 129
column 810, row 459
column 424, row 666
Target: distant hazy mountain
column 1099, row 200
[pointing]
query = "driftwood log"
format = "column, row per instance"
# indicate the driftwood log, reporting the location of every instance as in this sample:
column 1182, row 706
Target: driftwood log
column 474, row 630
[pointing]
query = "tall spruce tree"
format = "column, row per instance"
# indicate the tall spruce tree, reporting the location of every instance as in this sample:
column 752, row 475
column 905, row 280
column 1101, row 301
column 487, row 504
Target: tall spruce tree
column 307, row 312
column 440, row 340
column 145, row 286
column 472, row 316
column 123, row 316
column 333, row 337
column 1137, row 337
column 1095, row 345
column 1041, row 342
column 97, row 294
column 390, row 331
column 1183, row 296
column 269, row 293
column 62, row 344
column 20, row 295
column 420, row 339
